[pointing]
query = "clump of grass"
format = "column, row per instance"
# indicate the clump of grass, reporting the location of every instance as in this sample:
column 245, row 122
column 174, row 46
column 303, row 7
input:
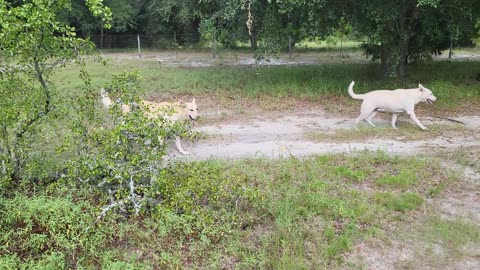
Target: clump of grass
column 349, row 173
column 398, row 202
column 403, row 179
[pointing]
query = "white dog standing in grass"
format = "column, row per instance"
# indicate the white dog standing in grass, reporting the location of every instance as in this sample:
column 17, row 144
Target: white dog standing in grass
column 179, row 112
column 392, row 101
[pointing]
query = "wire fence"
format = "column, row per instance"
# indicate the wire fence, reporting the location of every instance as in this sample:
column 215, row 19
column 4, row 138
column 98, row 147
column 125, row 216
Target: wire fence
column 144, row 41
column 129, row 42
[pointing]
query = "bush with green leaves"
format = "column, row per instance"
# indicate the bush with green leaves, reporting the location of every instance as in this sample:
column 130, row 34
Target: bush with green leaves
column 47, row 232
column 124, row 155
column 34, row 43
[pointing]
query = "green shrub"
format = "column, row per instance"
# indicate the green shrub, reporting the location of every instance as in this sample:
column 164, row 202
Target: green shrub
column 127, row 161
column 48, row 233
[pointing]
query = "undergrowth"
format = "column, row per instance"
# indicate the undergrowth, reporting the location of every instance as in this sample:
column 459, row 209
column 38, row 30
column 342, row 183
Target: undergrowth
column 255, row 213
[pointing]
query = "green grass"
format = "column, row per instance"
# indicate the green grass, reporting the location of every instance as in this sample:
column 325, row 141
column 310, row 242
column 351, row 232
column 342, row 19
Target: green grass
column 454, row 234
column 440, row 243
column 345, row 44
column 307, row 214
column 403, row 179
column 451, row 82
column 320, row 207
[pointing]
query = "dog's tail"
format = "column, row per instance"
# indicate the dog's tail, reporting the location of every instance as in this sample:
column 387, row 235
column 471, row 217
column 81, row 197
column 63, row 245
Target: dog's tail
column 352, row 94
column 107, row 102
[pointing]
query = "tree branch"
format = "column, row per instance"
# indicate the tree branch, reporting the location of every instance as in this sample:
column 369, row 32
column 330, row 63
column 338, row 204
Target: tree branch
column 46, row 109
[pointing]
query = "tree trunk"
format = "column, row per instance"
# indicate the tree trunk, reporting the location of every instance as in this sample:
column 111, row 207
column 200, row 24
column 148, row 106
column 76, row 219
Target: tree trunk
column 253, row 41
column 405, row 22
column 451, row 46
column 25, row 127
column 101, row 37
column 214, row 52
column 386, row 66
column 403, row 58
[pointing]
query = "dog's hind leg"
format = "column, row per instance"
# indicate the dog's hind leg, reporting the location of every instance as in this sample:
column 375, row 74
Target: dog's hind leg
column 360, row 118
column 370, row 117
column 179, row 146
column 365, row 113
column 394, row 119
column 412, row 115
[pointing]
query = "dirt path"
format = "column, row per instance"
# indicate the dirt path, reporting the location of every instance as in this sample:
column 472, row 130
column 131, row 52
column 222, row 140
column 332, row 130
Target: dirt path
column 288, row 135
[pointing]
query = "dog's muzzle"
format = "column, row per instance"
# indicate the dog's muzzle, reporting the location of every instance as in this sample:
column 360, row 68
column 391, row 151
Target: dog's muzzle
column 194, row 119
column 429, row 101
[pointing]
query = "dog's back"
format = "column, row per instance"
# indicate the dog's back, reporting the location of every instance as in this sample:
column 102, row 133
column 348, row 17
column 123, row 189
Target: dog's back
column 172, row 111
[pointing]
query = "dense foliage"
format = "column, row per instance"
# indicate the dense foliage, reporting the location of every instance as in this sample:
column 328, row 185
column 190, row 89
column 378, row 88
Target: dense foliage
column 395, row 32
column 33, row 44
column 47, row 136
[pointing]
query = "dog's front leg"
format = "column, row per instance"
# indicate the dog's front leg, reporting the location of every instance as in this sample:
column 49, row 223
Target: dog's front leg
column 179, row 146
column 415, row 119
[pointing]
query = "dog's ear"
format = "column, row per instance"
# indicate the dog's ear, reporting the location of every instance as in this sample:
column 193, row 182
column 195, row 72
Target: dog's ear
column 193, row 100
column 421, row 87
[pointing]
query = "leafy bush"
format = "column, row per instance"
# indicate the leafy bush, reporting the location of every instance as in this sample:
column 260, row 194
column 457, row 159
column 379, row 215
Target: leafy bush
column 35, row 42
column 121, row 158
column 126, row 159
column 48, row 232
column 193, row 202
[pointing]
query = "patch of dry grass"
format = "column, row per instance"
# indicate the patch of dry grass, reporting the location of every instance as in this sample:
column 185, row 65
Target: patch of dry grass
column 405, row 132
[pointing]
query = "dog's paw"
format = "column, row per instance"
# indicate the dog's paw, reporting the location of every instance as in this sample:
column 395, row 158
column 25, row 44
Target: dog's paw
column 185, row 152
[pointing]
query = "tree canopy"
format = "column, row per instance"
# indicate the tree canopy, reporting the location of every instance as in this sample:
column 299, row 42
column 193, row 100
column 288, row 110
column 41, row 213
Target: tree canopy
column 395, row 32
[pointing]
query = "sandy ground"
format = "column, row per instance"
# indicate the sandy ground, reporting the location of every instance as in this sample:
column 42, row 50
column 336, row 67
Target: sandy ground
column 287, row 136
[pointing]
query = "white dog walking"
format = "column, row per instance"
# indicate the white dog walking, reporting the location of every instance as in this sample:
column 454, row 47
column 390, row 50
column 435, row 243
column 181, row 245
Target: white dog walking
column 392, row 101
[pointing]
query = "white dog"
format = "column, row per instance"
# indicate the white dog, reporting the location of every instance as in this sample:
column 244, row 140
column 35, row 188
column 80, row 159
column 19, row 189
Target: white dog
column 175, row 111
column 392, row 101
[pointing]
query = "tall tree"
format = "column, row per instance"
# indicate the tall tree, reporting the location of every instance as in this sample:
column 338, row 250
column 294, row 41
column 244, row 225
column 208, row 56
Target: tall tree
column 172, row 17
column 278, row 22
column 400, row 30
column 124, row 14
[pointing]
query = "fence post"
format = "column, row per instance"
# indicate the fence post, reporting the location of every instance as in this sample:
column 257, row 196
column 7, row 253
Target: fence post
column 138, row 43
column 175, row 45
column 214, row 52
